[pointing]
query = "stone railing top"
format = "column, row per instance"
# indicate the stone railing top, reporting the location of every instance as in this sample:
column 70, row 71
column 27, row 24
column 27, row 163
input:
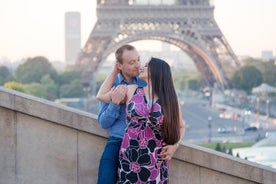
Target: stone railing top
column 225, row 163
column 50, row 111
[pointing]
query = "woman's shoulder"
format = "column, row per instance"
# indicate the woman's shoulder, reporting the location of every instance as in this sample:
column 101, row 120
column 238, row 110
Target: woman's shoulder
column 132, row 88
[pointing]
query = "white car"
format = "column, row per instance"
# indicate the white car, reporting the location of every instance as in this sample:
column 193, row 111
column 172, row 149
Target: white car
column 224, row 130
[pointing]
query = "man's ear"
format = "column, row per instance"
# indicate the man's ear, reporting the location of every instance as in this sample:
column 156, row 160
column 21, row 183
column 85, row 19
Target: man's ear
column 119, row 66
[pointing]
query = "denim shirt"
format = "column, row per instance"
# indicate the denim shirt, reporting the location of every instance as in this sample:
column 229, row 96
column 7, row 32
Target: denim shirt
column 113, row 117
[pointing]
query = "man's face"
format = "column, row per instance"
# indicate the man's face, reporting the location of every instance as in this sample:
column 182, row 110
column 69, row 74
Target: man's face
column 131, row 64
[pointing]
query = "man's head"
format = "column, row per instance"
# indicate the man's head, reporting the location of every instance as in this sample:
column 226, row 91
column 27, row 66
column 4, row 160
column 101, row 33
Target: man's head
column 128, row 61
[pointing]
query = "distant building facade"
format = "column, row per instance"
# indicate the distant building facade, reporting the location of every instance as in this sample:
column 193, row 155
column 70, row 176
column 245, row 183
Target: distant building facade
column 72, row 37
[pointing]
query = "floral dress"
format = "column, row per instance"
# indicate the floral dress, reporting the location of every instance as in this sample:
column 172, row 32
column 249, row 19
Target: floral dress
column 142, row 142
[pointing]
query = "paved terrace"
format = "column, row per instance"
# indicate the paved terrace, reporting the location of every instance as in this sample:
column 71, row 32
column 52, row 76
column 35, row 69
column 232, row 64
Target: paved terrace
column 46, row 143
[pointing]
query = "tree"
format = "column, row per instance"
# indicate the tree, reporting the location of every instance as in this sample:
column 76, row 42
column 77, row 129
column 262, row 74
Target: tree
column 269, row 73
column 36, row 89
column 194, row 84
column 246, row 78
column 5, row 75
column 68, row 76
column 182, row 78
column 100, row 78
column 51, row 88
column 267, row 68
column 218, row 147
column 230, row 152
column 34, row 69
column 74, row 89
column 4, row 71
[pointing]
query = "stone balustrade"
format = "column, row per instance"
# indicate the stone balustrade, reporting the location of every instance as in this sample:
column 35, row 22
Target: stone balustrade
column 46, row 143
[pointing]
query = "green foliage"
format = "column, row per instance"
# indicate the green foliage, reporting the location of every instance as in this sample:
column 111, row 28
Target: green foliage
column 182, row 78
column 36, row 89
column 5, row 75
column 34, row 69
column 100, row 79
column 4, row 71
column 218, row 147
column 51, row 92
column 194, row 85
column 67, row 76
column 73, row 89
column 15, row 86
column 230, row 152
column 37, row 77
column 228, row 146
column 70, row 85
column 267, row 68
column 246, row 78
column 269, row 74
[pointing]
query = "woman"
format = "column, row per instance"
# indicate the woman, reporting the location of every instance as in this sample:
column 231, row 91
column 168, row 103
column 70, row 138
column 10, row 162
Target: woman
column 154, row 120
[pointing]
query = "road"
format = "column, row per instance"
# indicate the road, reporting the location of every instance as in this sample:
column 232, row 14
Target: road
column 198, row 126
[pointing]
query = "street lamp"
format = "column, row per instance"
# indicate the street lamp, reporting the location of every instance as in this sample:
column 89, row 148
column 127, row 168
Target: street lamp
column 210, row 128
column 267, row 108
column 247, row 114
column 258, row 107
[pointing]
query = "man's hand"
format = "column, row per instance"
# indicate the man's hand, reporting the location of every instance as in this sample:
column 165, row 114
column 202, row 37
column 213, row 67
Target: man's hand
column 118, row 94
column 168, row 151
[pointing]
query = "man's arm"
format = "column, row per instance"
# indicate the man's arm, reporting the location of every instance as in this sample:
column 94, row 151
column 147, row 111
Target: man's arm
column 108, row 114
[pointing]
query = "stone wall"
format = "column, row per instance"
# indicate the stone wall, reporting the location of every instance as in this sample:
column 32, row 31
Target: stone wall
column 46, row 143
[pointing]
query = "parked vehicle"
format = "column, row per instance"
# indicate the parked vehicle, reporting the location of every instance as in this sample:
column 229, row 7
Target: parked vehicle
column 251, row 129
column 224, row 130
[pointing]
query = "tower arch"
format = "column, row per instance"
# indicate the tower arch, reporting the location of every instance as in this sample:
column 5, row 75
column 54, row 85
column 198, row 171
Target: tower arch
column 187, row 24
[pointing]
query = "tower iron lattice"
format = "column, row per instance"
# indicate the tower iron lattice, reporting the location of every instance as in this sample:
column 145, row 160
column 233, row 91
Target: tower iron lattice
column 187, row 24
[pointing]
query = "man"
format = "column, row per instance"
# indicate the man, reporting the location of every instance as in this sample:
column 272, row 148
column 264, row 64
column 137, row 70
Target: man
column 112, row 116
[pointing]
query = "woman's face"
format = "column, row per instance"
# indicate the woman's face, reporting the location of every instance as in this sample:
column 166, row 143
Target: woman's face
column 144, row 72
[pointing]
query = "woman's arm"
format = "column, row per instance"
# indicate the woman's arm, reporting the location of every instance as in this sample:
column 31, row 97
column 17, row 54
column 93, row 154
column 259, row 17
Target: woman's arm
column 181, row 125
column 104, row 93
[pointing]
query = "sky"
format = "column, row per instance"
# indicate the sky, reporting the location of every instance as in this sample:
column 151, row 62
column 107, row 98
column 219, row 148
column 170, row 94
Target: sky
column 36, row 27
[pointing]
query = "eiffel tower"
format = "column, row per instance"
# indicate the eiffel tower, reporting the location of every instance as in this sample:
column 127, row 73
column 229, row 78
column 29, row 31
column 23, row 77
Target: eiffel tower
column 187, row 24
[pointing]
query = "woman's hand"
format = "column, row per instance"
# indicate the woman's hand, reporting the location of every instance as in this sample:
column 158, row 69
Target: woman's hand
column 118, row 94
column 168, row 151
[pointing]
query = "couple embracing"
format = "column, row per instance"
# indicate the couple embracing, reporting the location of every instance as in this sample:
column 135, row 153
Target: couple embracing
column 139, row 107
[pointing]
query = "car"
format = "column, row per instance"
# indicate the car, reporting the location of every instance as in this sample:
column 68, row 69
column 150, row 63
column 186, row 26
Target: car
column 224, row 130
column 251, row 129
column 228, row 115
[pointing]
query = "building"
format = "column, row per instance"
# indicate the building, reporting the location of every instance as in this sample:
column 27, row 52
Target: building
column 72, row 37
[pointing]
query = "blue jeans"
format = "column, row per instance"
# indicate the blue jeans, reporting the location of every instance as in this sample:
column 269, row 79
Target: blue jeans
column 109, row 163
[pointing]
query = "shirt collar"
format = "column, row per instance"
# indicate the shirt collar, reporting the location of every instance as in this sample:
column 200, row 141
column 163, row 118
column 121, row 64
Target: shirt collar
column 122, row 80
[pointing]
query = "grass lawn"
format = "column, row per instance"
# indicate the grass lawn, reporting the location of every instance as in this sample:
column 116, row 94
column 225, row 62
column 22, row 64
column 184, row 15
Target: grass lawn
column 227, row 145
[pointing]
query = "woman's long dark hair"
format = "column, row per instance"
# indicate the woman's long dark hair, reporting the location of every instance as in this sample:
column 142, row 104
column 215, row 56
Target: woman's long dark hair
column 162, row 85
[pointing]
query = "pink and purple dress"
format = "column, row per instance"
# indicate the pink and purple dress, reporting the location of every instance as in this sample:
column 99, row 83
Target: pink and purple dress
column 142, row 142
